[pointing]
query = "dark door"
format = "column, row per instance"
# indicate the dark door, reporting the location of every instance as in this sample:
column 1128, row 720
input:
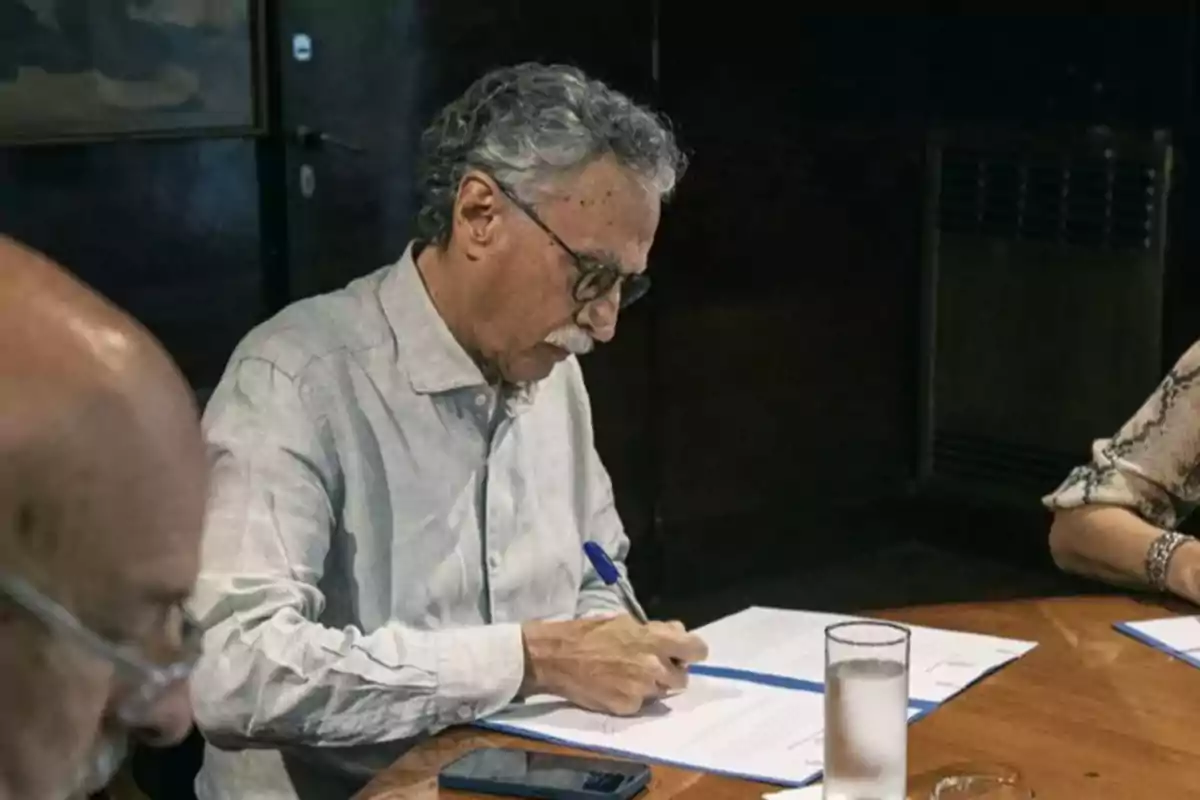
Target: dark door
column 361, row 80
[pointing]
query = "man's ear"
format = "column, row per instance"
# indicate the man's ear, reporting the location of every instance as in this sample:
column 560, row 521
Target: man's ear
column 476, row 213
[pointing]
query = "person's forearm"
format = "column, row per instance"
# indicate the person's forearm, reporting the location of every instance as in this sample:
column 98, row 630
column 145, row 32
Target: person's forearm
column 288, row 680
column 1110, row 544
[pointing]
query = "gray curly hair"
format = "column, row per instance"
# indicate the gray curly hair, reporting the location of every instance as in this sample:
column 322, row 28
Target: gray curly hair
column 528, row 124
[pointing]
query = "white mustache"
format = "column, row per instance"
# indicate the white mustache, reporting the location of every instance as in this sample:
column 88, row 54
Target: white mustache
column 573, row 339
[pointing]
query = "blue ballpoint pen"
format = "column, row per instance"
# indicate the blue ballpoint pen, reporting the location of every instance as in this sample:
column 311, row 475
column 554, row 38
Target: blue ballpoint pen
column 611, row 576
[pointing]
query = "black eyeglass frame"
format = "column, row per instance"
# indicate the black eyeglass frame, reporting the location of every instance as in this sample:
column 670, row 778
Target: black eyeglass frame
column 596, row 278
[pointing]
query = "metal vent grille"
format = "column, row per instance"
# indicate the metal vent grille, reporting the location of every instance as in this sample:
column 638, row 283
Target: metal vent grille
column 1097, row 201
column 1042, row 311
column 980, row 459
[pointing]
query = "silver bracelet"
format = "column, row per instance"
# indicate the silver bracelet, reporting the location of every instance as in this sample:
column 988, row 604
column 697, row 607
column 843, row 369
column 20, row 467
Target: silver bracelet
column 1158, row 557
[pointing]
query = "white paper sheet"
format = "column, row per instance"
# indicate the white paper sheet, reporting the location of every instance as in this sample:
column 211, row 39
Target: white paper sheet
column 732, row 727
column 792, row 644
column 1179, row 636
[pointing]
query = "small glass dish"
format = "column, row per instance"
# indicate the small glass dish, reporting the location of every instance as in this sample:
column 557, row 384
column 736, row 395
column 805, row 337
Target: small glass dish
column 981, row 787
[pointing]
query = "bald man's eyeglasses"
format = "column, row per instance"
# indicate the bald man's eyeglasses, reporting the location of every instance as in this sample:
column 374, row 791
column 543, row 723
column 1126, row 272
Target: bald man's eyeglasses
column 596, row 278
column 147, row 680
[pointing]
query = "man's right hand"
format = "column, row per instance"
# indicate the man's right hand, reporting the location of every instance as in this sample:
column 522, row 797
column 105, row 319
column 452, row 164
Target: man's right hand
column 608, row 664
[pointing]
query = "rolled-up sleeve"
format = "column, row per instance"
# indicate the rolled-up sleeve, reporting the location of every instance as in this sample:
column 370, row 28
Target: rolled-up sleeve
column 270, row 672
column 1151, row 466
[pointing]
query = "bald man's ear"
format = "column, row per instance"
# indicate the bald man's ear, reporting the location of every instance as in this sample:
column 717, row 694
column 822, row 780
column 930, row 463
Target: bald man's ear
column 28, row 527
column 477, row 212
column 23, row 550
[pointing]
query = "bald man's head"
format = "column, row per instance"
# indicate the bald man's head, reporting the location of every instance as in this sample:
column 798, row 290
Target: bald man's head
column 102, row 488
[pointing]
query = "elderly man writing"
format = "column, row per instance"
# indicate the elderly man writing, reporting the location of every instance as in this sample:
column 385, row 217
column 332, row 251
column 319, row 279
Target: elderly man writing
column 404, row 471
column 102, row 492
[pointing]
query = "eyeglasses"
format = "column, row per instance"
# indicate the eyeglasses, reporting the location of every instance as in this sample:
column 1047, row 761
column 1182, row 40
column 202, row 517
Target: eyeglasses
column 596, row 278
column 148, row 681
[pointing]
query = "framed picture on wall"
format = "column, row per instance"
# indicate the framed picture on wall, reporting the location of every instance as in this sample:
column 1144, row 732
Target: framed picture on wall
column 99, row 69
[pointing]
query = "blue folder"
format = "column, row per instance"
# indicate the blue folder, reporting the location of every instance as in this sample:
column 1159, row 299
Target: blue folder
column 1158, row 644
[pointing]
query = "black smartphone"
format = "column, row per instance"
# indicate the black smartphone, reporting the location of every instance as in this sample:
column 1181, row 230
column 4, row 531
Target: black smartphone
column 523, row 773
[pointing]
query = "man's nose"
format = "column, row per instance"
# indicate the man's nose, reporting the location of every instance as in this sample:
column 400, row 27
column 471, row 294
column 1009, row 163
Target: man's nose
column 168, row 721
column 599, row 317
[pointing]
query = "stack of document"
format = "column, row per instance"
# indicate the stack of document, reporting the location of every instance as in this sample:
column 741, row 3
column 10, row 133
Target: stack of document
column 755, row 709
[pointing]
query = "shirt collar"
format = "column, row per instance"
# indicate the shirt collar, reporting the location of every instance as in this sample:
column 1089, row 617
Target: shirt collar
column 433, row 358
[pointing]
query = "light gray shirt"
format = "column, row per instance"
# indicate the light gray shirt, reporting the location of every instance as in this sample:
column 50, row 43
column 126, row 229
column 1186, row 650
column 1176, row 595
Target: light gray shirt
column 380, row 523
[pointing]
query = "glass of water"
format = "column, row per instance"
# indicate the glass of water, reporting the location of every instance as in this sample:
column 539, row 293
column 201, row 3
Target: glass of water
column 866, row 711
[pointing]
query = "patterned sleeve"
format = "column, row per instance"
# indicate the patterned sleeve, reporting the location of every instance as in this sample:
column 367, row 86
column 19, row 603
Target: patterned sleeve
column 1152, row 465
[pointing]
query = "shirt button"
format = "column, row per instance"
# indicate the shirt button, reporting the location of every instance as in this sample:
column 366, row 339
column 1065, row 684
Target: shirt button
column 464, row 713
column 494, row 562
column 481, row 400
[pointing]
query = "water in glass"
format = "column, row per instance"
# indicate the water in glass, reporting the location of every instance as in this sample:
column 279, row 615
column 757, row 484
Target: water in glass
column 866, row 734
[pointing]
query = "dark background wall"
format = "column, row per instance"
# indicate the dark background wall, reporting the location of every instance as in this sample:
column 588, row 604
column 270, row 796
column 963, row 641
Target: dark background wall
column 760, row 409
column 169, row 230
column 787, row 320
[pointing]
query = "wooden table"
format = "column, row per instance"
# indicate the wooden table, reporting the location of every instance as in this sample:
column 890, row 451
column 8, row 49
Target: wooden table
column 1089, row 714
